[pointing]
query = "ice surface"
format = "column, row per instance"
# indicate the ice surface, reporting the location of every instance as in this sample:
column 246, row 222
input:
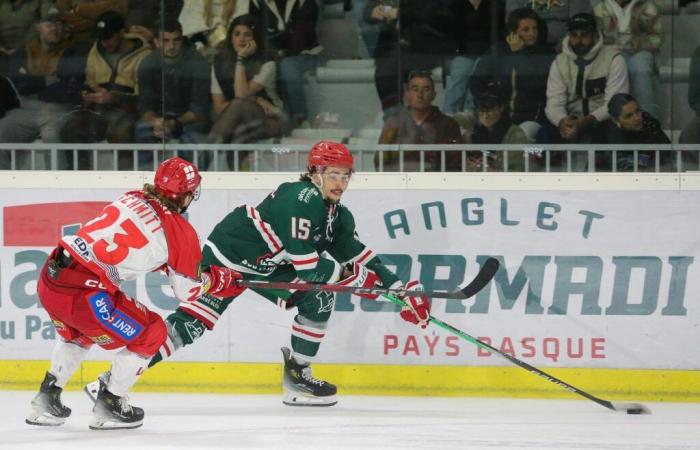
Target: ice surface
column 187, row 421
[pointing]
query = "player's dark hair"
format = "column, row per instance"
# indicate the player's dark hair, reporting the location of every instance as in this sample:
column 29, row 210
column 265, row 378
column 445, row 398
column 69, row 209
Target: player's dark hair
column 617, row 102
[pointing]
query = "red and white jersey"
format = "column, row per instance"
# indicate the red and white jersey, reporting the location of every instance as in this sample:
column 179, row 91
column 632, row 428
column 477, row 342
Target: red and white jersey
column 134, row 236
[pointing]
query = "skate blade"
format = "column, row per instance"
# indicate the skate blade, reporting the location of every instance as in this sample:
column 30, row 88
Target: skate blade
column 100, row 423
column 303, row 400
column 44, row 420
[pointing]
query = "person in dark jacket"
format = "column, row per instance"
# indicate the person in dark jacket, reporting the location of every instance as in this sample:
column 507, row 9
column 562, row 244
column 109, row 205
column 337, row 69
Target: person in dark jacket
column 480, row 26
column 48, row 74
column 174, row 85
column 520, row 64
column 429, row 35
column 630, row 125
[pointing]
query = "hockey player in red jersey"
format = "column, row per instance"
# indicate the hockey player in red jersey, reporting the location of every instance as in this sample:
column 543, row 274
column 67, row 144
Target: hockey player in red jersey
column 287, row 237
column 79, row 286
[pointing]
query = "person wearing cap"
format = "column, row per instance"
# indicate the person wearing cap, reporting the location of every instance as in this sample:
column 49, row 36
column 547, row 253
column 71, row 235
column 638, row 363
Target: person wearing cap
column 634, row 26
column 301, row 232
column 47, row 73
column 494, row 126
column 82, row 15
column 420, row 122
column 81, row 288
column 111, row 77
column 582, row 79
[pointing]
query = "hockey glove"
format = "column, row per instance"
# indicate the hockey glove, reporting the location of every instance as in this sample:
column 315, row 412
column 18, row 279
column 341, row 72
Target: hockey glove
column 358, row 275
column 417, row 309
column 221, row 282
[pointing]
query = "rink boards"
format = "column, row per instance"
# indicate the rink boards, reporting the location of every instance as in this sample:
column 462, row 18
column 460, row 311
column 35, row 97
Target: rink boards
column 599, row 285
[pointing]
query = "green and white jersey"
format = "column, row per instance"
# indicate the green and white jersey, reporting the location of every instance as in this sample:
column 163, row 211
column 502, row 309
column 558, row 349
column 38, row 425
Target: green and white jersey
column 292, row 226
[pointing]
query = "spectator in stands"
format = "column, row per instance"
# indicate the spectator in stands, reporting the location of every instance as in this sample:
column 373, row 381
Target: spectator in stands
column 243, row 87
column 48, row 75
column 628, row 124
column 379, row 22
column 494, row 126
column 691, row 131
column 581, row 81
column 429, row 34
column 291, row 34
column 634, row 26
column 520, row 65
column 16, row 20
column 111, row 94
column 480, row 25
column 205, row 22
column 554, row 13
column 81, row 15
column 174, row 82
column 419, row 122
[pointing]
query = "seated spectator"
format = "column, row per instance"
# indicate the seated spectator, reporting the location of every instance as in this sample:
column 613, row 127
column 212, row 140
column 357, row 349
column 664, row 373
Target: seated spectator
column 110, row 98
column 629, row 125
column 581, row 81
column 419, row 122
column 494, row 126
column 48, row 74
column 520, row 65
column 243, row 88
column 174, row 82
column 634, row 26
column 205, row 22
column 691, row 131
column 554, row 13
column 291, row 33
column 479, row 24
column 82, row 15
column 16, row 20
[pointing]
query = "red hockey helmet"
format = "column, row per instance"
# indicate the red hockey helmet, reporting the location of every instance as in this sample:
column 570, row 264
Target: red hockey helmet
column 327, row 153
column 175, row 177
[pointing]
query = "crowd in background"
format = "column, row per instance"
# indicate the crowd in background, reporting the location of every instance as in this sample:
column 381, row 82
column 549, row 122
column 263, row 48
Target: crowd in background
column 233, row 71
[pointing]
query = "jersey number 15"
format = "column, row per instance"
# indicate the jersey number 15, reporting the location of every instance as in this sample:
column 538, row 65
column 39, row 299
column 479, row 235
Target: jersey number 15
column 301, row 228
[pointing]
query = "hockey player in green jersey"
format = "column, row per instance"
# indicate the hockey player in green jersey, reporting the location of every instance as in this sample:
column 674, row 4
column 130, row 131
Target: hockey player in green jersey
column 284, row 238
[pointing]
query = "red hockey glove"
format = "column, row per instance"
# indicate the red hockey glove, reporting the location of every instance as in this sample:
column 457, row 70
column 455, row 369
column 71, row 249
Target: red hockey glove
column 417, row 309
column 222, row 282
column 360, row 277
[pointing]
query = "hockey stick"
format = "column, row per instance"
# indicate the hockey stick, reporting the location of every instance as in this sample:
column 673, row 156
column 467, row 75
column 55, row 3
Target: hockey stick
column 486, row 273
column 629, row 408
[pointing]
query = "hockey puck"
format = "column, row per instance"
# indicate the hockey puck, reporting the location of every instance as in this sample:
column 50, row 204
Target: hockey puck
column 635, row 411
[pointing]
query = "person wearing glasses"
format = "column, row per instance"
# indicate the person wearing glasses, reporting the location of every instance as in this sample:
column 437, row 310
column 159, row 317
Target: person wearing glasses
column 299, row 232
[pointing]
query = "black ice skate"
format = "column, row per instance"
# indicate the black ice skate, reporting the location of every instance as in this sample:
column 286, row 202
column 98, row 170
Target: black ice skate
column 301, row 388
column 93, row 389
column 112, row 412
column 47, row 409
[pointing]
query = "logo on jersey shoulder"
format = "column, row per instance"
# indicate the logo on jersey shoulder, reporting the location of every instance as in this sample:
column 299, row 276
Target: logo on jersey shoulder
column 113, row 319
column 306, row 194
column 194, row 329
column 58, row 325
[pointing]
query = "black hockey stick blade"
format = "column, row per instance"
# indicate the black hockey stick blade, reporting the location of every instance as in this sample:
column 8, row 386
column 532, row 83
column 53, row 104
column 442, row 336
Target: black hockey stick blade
column 630, row 408
column 485, row 275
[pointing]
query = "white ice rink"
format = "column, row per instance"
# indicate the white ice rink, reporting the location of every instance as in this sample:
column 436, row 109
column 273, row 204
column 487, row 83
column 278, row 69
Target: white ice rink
column 261, row 422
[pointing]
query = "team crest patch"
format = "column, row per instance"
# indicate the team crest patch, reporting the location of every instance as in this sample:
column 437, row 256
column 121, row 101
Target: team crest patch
column 326, row 300
column 57, row 324
column 113, row 319
column 194, row 330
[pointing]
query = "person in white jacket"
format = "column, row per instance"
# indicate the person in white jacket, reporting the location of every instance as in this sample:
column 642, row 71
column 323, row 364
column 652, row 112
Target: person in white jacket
column 582, row 79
